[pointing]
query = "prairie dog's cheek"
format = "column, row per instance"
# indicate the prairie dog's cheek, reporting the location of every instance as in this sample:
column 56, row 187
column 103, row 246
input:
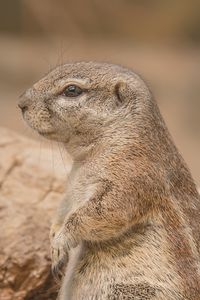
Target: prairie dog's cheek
column 68, row 102
column 62, row 102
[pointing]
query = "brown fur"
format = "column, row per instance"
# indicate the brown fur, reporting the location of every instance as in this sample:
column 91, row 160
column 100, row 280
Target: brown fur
column 130, row 218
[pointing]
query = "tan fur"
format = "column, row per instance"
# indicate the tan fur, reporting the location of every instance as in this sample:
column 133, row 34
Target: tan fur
column 128, row 225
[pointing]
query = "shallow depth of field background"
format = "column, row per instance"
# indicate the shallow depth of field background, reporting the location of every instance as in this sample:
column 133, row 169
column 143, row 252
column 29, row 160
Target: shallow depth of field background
column 159, row 39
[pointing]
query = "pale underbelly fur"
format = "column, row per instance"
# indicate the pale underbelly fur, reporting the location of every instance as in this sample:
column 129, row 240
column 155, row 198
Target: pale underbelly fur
column 92, row 287
column 98, row 277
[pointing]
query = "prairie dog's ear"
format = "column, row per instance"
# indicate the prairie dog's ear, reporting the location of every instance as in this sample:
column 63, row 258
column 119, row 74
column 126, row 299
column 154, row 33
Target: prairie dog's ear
column 124, row 92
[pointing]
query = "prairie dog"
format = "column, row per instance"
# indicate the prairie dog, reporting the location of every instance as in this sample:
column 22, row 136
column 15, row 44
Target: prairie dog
column 128, row 226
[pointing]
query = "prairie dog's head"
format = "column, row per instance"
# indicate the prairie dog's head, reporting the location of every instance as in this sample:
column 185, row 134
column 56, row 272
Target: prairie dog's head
column 80, row 100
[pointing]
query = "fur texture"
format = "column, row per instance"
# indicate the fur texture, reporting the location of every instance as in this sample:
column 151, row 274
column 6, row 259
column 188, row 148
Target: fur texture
column 128, row 226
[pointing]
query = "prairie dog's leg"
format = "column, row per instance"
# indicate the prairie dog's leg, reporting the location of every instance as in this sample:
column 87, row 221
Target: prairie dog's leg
column 91, row 221
column 58, row 222
column 64, row 206
column 60, row 216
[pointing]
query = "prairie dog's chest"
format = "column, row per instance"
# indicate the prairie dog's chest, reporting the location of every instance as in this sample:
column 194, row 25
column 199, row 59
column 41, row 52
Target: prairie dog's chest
column 80, row 189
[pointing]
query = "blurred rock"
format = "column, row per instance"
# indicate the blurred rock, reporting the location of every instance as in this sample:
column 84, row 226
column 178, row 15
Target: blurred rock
column 29, row 193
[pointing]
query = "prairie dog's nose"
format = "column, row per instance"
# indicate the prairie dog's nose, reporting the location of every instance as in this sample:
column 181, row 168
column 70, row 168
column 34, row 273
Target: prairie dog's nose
column 23, row 103
column 23, row 107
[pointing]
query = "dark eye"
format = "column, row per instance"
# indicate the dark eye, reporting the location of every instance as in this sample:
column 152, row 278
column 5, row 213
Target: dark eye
column 72, row 91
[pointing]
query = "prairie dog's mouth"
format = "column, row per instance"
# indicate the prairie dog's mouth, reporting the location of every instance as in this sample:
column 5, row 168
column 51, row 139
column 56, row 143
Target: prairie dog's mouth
column 42, row 129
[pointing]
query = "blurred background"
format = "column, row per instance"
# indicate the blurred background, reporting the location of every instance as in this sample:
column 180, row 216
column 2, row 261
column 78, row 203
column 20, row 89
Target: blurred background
column 159, row 39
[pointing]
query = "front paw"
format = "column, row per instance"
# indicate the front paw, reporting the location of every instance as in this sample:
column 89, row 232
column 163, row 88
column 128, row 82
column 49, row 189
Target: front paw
column 55, row 228
column 61, row 243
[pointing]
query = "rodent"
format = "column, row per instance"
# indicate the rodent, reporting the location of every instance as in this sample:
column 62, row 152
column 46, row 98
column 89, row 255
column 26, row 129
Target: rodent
column 128, row 226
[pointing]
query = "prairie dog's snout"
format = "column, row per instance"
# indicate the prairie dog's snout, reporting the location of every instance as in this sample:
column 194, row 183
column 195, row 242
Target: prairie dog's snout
column 24, row 103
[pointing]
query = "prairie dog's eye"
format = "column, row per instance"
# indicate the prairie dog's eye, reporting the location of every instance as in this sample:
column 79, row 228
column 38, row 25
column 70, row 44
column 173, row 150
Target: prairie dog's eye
column 72, row 91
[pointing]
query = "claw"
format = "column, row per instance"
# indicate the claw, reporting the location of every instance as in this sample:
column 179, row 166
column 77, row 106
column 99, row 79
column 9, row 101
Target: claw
column 61, row 244
column 58, row 267
column 57, row 273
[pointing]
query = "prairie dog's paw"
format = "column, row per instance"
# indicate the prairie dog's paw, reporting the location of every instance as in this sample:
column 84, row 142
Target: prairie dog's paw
column 55, row 228
column 61, row 243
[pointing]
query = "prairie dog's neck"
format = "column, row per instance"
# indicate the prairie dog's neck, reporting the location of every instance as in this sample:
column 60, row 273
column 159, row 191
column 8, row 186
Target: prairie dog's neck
column 111, row 141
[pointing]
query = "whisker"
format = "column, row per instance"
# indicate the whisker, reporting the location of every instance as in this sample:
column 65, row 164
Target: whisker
column 40, row 151
column 52, row 157
column 62, row 158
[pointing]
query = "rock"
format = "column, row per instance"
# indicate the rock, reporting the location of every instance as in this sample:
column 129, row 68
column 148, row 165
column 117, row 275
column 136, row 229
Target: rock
column 30, row 190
